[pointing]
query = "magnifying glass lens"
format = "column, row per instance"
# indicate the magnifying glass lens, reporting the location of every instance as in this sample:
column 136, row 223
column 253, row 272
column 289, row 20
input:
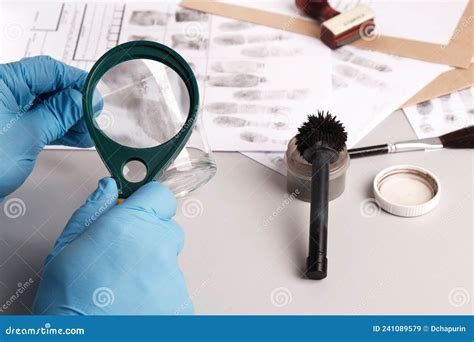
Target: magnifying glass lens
column 141, row 103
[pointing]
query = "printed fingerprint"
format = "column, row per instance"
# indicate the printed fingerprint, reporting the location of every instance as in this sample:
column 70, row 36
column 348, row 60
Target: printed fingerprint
column 338, row 82
column 271, row 51
column 240, row 39
column 148, row 18
column 237, row 67
column 226, row 121
column 258, row 95
column 425, row 107
column 238, row 81
column 360, row 77
column 467, row 99
column 253, row 137
column 183, row 41
column 232, row 26
column 185, row 15
column 244, row 108
column 347, row 56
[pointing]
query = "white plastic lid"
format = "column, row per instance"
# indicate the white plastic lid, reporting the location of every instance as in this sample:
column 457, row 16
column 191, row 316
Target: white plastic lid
column 406, row 190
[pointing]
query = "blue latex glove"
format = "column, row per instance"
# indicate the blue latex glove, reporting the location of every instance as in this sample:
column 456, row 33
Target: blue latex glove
column 40, row 104
column 117, row 259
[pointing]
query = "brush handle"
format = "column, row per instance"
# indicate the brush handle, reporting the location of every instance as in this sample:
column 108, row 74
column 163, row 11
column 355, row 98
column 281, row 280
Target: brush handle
column 317, row 262
column 368, row 151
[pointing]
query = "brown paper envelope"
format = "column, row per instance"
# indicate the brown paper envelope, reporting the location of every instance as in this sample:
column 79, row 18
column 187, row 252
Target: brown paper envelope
column 445, row 83
column 457, row 53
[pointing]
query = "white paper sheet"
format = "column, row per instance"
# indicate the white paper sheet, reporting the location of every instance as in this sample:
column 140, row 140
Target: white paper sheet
column 442, row 115
column 432, row 21
column 253, row 95
column 367, row 87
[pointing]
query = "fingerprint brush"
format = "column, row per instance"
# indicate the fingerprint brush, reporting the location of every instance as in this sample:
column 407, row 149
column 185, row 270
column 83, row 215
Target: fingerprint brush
column 462, row 138
column 319, row 141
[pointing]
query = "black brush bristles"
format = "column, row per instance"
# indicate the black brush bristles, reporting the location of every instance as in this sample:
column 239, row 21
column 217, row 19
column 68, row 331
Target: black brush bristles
column 462, row 138
column 322, row 129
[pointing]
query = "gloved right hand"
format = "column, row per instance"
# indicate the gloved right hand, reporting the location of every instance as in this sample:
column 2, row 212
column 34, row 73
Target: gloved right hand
column 117, row 259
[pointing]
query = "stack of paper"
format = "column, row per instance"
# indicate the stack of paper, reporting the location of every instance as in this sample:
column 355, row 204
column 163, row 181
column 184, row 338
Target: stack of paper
column 257, row 83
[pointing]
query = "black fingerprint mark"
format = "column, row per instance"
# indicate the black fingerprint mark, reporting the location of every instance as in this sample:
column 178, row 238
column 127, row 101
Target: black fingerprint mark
column 270, row 51
column 258, row 95
column 237, row 81
column 445, row 103
column 240, row 39
column 232, row 26
column 148, row 18
column 244, row 108
column 235, row 122
column 223, row 107
column 350, row 72
column 234, row 39
column 142, row 37
column 451, row 118
column 237, row 67
column 338, row 82
column 467, row 99
column 229, row 121
column 347, row 56
column 263, row 38
column 343, row 55
column 370, row 64
column 426, row 128
column 185, row 15
column 276, row 159
column 253, row 137
column 182, row 41
column 425, row 107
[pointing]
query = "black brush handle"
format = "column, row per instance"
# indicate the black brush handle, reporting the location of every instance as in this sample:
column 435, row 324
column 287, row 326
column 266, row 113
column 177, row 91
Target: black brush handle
column 368, row 151
column 317, row 262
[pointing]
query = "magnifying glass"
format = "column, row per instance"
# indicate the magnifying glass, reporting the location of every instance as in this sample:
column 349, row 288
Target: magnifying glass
column 140, row 103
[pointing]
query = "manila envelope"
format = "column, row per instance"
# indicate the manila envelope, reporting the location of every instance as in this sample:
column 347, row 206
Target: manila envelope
column 448, row 82
column 457, row 53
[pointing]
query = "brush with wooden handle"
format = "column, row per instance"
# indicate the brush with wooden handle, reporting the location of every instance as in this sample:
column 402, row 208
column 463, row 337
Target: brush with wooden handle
column 462, row 138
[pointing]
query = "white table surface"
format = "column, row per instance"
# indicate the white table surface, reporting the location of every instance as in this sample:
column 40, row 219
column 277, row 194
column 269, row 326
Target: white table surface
column 235, row 262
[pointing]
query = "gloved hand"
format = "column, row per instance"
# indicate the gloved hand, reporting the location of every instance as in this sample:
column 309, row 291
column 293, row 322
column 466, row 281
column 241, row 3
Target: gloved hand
column 117, row 259
column 40, row 104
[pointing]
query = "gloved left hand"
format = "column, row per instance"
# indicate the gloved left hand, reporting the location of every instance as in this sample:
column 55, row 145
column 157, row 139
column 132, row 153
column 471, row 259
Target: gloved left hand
column 117, row 259
column 40, row 104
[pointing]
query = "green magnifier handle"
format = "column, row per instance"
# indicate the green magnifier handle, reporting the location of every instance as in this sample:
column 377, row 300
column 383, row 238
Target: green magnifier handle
column 115, row 155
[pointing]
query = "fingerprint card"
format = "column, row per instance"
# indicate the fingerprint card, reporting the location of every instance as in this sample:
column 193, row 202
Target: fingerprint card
column 261, row 84
column 442, row 115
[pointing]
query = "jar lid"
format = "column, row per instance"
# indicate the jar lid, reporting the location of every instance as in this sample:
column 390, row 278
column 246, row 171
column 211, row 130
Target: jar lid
column 406, row 190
